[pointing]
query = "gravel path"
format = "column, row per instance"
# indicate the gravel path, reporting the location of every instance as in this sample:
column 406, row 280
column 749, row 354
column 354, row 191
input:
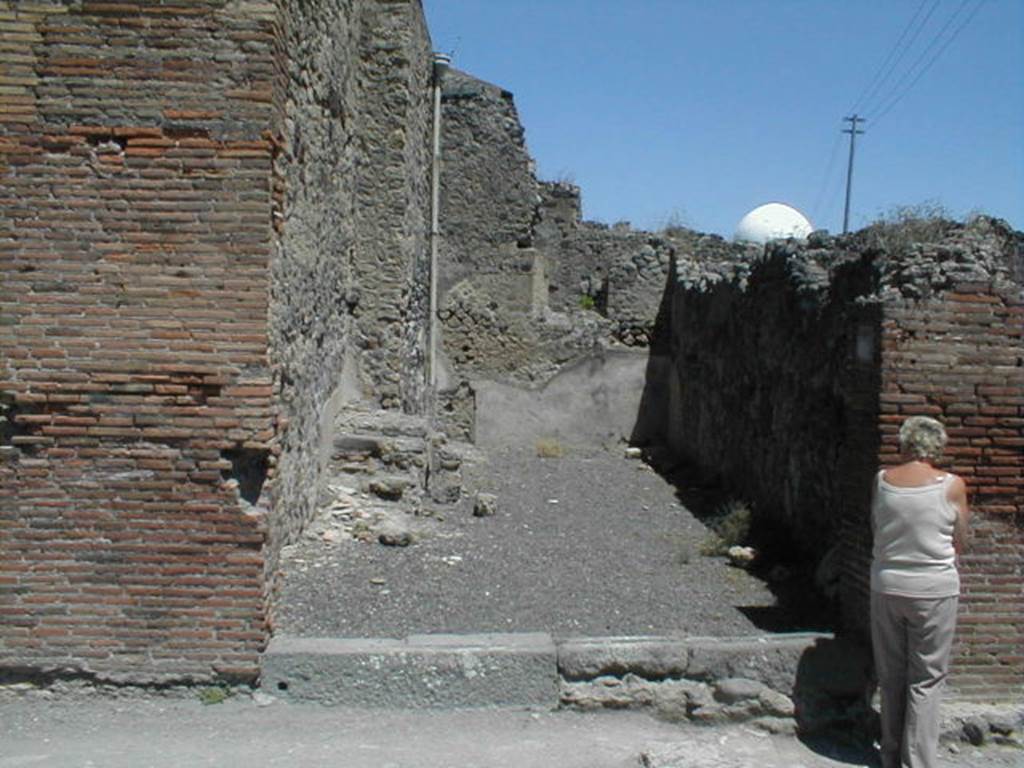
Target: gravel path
column 582, row 545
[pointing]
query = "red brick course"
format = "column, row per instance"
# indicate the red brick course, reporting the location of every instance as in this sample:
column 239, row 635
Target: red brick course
column 959, row 356
column 135, row 190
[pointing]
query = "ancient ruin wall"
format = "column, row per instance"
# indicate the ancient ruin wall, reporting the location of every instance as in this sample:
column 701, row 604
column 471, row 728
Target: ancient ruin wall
column 348, row 281
column 314, row 216
column 791, row 378
column 391, row 263
column 194, row 253
column 527, row 288
column 769, row 388
column 135, row 242
column 957, row 354
column 488, row 190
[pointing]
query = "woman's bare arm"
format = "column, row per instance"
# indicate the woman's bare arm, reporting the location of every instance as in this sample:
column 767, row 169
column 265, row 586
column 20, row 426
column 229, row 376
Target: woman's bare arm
column 958, row 498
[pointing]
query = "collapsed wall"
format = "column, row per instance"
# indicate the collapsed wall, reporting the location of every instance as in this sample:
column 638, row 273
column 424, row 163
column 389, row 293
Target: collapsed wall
column 791, row 374
column 212, row 213
column 529, row 292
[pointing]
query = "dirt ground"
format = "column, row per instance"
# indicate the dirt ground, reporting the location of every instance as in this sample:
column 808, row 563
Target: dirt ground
column 590, row 544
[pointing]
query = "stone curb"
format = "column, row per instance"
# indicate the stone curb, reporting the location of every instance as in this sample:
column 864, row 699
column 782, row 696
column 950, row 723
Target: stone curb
column 529, row 669
column 421, row 671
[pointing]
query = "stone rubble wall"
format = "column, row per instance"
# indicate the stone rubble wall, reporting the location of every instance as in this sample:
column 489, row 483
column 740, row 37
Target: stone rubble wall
column 391, row 265
column 766, row 384
column 488, row 189
column 527, row 289
column 314, row 215
column 349, row 285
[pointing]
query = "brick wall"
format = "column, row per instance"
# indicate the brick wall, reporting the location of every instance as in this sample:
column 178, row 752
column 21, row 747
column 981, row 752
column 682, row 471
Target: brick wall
column 136, row 238
column 958, row 356
column 187, row 271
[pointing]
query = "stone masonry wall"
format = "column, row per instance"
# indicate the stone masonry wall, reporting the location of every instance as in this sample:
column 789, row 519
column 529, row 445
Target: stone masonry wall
column 348, row 280
column 390, row 268
column 489, row 193
column 134, row 243
column 314, row 217
column 527, row 289
column 767, row 389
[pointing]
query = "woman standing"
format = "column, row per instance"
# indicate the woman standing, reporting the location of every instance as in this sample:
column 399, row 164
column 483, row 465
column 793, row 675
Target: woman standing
column 919, row 516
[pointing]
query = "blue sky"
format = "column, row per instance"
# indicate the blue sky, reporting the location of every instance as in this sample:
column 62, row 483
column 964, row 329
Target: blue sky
column 696, row 111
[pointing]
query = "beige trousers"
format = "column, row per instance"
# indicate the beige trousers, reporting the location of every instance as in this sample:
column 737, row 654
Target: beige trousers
column 912, row 639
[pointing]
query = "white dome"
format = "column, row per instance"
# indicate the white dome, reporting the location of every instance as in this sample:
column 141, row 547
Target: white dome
column 772, row 221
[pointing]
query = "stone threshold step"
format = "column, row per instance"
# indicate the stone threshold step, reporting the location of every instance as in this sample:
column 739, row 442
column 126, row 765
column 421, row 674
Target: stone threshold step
column 417, row 672
column 515, row 669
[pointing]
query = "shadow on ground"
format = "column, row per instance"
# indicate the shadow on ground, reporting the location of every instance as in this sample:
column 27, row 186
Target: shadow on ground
column 798, row 606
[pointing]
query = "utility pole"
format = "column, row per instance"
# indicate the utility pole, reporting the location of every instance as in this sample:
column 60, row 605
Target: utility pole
column 853, row 131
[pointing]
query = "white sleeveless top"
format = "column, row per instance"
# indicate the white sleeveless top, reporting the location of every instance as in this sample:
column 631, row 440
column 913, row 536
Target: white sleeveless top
column 913, row 553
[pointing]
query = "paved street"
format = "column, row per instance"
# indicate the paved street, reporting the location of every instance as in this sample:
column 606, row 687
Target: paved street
column 91, row 731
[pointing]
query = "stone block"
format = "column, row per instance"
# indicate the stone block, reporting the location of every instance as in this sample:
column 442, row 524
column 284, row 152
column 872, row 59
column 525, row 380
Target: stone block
column 422, row 671
column 650, row 657
column 735, row 689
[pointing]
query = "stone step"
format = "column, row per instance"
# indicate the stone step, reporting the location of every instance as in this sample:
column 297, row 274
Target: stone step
column 381, row 422
column 703, row 679
column 378, row 446
column 419, row 672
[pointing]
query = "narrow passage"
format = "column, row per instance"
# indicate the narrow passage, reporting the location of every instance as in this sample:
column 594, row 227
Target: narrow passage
column 590, row 544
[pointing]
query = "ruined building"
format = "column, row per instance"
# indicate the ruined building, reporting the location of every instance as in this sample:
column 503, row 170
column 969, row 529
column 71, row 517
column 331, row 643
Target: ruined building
column 215, row 238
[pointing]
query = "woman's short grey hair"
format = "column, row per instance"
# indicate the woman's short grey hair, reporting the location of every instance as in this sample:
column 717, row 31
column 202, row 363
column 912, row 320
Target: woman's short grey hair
column 922, row 437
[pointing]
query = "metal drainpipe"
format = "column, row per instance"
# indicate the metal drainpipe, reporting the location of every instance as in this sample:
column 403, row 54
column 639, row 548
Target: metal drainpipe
column 441, row 62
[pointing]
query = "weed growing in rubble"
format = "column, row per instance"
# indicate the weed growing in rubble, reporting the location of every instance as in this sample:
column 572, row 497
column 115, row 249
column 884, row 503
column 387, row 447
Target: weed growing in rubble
column 730, row 526
column 904, row 225
column 217, row 694
column 587, row 301
column 549, row 448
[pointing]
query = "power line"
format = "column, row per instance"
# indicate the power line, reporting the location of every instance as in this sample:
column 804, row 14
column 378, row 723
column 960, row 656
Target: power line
column 899, row 96
column 898, row 48
column 927, row 49
column 910, row 71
